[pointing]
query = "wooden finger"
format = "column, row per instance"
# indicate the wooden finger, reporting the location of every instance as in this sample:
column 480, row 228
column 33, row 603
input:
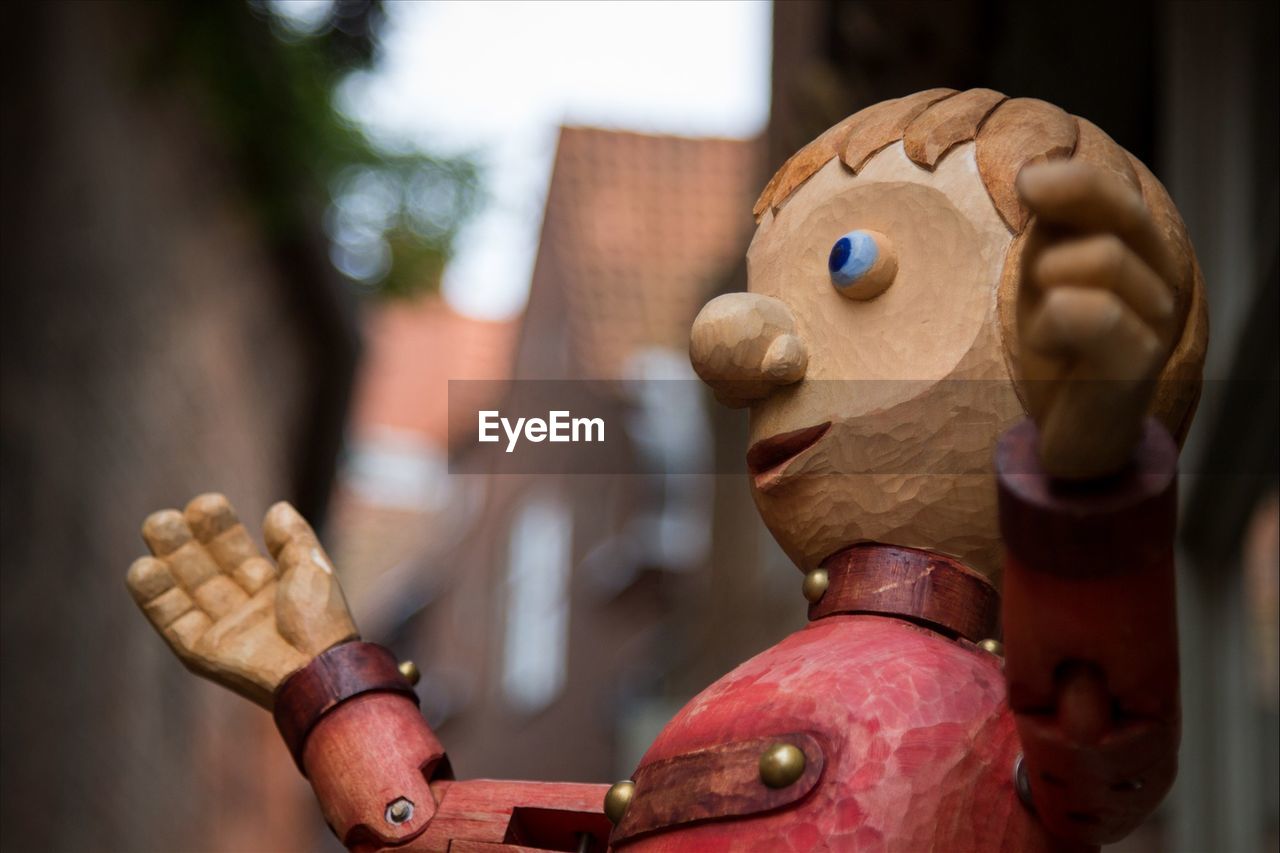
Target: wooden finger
column 219, row 595
column 210, row 515
column 1095, row 328
column 1105, row 261
column 1078, row 195
column 254, row 573
column 184, row 633
column 167, row 607
column 168, row 536
column 282, row 525
column 311, row 611
column 165, row 532
column 216, row 526
column 1093, row 419
column 148, row 578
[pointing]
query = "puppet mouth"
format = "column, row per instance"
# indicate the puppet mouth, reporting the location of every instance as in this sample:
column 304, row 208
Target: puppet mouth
column 767, row 458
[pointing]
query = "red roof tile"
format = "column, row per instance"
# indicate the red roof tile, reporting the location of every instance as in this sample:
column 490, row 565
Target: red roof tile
column 413, row 350
column 638, row 230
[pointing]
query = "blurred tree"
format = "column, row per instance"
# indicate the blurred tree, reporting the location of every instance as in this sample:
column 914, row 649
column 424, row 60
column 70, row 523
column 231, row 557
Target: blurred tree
column 268, row 75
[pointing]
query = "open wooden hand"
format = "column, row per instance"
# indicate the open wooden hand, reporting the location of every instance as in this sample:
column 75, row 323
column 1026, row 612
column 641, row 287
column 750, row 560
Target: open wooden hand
column 1096, row 315
column 225, row 609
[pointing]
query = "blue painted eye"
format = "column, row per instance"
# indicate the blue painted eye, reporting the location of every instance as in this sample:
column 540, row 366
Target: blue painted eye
column 851, row 257
column 862, row 264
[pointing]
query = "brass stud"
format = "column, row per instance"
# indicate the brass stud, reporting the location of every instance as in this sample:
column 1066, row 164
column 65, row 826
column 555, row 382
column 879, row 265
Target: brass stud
column 617, row 799
column 781, row 765
column 815, row 585
column 409, row 670
column 995, row 647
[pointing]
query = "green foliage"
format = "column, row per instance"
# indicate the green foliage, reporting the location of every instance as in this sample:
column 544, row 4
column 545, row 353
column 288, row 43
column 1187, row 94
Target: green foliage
column 269, row 94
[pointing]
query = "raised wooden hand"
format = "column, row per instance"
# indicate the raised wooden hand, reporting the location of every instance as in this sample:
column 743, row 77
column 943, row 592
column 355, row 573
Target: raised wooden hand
column 1090, row 634
column 1096, row 315
column 229, row 613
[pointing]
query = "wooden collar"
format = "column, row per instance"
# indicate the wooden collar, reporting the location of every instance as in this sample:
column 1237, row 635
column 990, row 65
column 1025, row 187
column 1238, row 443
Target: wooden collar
column 930, row 589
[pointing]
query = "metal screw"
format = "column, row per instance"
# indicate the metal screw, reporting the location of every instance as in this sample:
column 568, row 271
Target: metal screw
column 399, row 812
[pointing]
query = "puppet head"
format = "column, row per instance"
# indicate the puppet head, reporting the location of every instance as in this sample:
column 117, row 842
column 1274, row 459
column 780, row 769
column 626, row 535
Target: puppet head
column 876, row 345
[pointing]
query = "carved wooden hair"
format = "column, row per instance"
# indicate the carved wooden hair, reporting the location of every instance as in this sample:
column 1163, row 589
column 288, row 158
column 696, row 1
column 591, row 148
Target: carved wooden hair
column 1010, row 133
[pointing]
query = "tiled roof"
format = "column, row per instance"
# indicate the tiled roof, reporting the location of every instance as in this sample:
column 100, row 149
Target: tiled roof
column 414, row 349
column 638, row 231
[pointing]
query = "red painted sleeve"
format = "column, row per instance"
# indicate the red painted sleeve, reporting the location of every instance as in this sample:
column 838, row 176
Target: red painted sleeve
column 1090, row 634
column 353, row 725
column 369, row 761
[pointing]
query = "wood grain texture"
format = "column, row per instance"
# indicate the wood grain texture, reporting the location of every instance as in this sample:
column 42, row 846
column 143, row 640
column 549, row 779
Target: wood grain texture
column 744, row 345
column 1093, row 678
column 916, row 585
column 918, row 740
column 331, row 678
column 802, row 165
column 1097, row 314
column 1028, row 132
column 1019, row 132
column 883, row 124
column 853, row 140
column 537, row 815
column 913, row 382
column 226, row 611
column 721, row 781
column 946, row 124
column 1095, row 147
column 1179, row 385
column 366, row 754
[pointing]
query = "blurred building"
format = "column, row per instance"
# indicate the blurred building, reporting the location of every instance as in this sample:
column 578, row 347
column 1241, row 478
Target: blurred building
column 395, row 500
column 156, row 343
column 550, row 612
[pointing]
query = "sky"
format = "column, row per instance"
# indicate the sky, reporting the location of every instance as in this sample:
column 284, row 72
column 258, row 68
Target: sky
column 496, row 79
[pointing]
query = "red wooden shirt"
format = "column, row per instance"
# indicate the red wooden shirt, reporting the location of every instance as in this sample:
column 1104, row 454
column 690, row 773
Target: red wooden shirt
column 911, row 732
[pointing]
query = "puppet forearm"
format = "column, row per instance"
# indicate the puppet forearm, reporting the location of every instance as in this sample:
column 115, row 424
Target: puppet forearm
column 1091, row 635
column 381, row 776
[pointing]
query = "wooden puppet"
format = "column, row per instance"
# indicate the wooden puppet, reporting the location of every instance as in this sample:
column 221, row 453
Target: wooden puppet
column 925, row 276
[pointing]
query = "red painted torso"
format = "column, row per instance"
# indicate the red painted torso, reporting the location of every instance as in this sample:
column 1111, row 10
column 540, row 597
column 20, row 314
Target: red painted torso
column 918, row 739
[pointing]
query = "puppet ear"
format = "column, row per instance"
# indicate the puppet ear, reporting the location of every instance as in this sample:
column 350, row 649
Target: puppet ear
column 1178, row 386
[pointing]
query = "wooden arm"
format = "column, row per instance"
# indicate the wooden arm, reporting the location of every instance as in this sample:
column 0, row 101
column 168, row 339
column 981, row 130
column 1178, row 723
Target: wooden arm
column 1091, row 635
column 382, row 779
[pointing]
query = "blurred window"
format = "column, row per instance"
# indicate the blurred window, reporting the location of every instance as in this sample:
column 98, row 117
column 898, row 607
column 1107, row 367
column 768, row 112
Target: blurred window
column 672, row 435
column 535, row 654
column 398, row 469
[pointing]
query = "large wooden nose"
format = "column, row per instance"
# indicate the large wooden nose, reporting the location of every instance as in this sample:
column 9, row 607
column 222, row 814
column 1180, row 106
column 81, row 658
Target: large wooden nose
column 745, row 345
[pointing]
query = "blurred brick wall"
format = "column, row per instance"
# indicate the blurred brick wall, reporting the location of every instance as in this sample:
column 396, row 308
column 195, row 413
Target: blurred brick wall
column 151, row 351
